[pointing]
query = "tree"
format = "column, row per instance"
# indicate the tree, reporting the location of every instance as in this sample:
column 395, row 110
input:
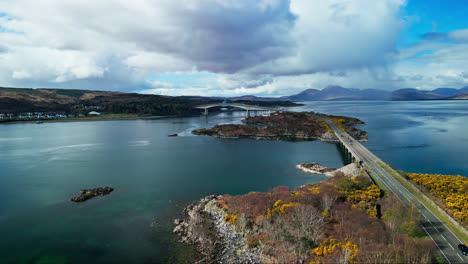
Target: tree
column 307, row 221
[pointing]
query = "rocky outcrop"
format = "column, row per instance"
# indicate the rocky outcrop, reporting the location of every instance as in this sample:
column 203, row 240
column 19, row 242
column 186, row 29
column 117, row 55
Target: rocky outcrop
column 314, row 168
column 217, row 240
column 204, row 131
column 91, row 193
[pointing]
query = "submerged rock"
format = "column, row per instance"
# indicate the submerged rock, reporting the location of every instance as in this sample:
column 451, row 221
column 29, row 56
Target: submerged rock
column 91, row 193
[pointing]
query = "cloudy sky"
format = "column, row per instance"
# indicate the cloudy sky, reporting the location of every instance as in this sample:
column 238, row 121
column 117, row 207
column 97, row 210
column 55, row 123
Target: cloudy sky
column 227, row 47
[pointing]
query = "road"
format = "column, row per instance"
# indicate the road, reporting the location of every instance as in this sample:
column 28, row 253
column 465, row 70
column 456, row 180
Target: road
column 444, row 238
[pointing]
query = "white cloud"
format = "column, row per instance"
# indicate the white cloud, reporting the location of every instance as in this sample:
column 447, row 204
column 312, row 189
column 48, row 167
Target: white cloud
column 340, row 35
column 269, row 47
column 460, row 36
column 435, row 64
column 158, row 63
column 20, row 75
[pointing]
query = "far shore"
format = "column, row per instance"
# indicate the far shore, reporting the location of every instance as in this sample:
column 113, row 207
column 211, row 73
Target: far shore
column 103, row 117
column 86, row 119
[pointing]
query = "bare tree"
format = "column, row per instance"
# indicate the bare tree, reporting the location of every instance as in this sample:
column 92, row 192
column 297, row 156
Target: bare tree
column 328, row 197
column 242, row 225
column 307, row 221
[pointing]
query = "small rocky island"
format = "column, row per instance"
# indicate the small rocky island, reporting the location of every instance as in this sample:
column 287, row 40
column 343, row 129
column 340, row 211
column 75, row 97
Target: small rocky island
column 315, row 168
column 91, row 193
column 287, row 126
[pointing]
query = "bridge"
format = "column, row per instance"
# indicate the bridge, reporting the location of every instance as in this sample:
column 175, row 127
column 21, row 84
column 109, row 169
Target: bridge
column 246, row 107
column 443, row 237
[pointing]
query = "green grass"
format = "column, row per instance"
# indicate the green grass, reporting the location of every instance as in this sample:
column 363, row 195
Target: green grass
column 439, row 258
column 460, row 234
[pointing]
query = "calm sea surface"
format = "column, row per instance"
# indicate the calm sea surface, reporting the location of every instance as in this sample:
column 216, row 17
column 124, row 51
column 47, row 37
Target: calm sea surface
column 154, row 176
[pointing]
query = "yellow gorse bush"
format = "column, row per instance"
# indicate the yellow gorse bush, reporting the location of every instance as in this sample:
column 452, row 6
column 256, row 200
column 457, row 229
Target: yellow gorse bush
column 338, row 122
column 364, row 199
column 332, row 246
column 452, row 189
column 279, row 208
column 231, row 218
column 314, row 190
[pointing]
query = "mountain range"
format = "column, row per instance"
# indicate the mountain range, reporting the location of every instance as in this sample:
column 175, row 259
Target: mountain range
column 338, row 93
column 78, row 101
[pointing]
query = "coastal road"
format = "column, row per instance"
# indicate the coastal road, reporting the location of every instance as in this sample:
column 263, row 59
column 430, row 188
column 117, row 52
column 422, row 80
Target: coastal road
column 444, row 238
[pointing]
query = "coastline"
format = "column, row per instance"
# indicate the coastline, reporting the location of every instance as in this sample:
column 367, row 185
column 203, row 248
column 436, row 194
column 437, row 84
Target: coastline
column 91, row 119
column 326, row 137
column 219, row 238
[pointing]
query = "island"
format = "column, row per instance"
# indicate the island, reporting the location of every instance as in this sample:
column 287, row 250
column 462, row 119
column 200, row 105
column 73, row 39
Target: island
column 287, row 126
column 91, row 193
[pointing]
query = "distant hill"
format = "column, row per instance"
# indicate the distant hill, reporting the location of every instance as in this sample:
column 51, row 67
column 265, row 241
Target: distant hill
column 446, row 91
column 414, row 94
column 17, row 100
column 334, row 92
column 23, row 100
column 306, row 95
column 436, row 94
column 460, row 96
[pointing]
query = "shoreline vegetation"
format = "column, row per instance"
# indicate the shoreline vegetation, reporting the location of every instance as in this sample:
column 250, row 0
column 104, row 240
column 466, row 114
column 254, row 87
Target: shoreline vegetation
column 287, row 126
column 345, row 219
column 342, row 220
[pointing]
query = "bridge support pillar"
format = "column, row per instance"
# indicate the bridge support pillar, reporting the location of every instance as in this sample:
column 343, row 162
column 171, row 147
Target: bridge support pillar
column 247, row 114
column 206, row 111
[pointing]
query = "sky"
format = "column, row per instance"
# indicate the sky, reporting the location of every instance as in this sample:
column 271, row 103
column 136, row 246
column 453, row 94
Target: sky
column 232, row 48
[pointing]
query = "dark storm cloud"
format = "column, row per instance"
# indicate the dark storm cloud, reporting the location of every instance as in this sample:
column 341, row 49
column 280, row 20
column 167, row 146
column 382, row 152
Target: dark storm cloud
column 215, row 37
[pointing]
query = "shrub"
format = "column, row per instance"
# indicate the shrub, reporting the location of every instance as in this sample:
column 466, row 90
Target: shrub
column 253, row 242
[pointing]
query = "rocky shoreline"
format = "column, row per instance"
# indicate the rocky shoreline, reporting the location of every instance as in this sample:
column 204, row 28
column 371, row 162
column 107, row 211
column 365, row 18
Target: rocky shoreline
column 205, row 226
column 315, row 168
column 326, row 137
column 217, row 240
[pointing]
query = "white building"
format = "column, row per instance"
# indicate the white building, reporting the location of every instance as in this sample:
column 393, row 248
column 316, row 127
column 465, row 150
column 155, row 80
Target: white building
column 94, row 113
